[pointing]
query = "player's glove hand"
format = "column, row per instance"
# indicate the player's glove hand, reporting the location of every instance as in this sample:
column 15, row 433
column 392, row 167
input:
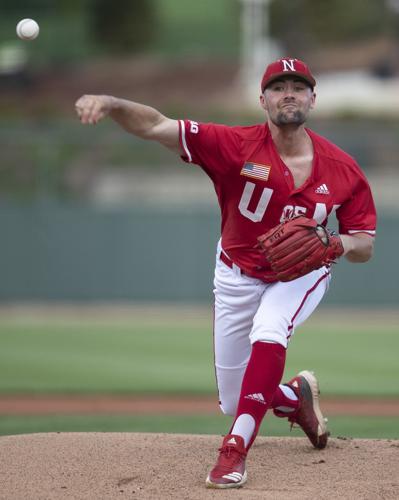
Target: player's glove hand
column 298, row 246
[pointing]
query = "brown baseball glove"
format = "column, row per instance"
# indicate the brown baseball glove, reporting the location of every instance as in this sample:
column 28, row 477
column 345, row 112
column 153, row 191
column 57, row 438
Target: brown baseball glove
column 298, row 246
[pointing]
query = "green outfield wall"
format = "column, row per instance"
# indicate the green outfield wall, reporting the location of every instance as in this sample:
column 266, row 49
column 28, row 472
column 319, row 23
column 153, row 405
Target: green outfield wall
column 53, row 252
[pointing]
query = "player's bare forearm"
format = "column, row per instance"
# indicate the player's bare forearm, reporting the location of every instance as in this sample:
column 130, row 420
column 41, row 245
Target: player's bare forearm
column 138, row 119
column 358, row 247
column 144, row 121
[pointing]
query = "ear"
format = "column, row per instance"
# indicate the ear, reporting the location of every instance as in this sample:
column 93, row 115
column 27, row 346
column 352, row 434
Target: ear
column 262, row 101
column 313, row 101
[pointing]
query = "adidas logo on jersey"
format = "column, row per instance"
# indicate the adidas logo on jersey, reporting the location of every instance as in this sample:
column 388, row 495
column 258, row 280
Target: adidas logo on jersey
column 256, row 397
column 322, row 189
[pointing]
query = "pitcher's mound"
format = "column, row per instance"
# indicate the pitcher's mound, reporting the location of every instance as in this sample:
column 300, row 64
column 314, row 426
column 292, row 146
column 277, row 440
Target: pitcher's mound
column 100, row 466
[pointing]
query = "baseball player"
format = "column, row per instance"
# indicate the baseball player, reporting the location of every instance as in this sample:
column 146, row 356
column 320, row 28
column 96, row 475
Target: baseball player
column 277, row 184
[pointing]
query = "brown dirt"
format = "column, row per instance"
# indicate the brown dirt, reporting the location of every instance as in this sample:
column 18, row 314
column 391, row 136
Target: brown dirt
column 162, row 466
column 61, row 404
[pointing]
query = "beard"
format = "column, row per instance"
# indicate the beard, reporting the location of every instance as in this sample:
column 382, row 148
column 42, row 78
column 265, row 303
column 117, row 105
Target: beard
column 296, row 117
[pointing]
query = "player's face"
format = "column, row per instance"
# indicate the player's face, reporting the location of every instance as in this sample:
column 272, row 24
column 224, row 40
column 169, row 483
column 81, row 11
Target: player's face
column 288, row 101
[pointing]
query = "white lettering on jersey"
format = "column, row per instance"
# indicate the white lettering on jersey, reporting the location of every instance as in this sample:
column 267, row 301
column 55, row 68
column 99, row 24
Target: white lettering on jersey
column 288, row 65
column 290, row 211
column 262, row 204
column 194, row 128
column 319, row 214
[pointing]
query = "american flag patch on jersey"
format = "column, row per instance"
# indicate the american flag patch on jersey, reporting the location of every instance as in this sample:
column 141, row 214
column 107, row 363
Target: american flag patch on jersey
column 256, row 171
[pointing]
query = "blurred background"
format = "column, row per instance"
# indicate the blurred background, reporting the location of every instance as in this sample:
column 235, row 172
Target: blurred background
column 82, row 209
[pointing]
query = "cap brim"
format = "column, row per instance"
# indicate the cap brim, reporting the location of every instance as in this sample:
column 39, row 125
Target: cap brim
column 310, row 81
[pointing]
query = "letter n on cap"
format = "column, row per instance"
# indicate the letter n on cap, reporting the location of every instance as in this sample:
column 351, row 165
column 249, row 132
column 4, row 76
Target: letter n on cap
column 288, row 65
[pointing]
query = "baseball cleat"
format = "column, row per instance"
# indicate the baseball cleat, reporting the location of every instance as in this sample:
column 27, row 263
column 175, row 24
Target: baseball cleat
column 308, row 416
column 229, row 471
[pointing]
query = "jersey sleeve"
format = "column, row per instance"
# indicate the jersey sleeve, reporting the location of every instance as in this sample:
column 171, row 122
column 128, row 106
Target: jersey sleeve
column 358, row 213
column 216, row 148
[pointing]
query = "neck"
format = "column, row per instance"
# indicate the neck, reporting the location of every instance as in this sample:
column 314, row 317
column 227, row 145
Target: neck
column 290, row 140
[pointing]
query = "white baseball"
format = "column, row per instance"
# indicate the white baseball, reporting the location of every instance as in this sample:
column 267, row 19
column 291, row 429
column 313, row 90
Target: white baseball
column 27, row 29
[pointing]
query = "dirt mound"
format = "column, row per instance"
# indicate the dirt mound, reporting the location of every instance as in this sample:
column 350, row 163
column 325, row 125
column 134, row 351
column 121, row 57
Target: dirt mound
column 174, row 466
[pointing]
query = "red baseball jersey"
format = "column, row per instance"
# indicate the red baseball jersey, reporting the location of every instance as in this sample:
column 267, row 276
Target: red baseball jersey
column 256, row 189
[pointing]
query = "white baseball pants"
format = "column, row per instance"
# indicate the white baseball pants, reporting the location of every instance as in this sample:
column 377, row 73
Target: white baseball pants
column 248, row 310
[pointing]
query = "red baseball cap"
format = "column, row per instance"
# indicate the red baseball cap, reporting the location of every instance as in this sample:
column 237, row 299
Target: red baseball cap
column 287, row 66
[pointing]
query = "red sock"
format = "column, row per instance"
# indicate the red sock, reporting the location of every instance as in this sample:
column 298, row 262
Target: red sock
column 280, row 399
column 261, row 379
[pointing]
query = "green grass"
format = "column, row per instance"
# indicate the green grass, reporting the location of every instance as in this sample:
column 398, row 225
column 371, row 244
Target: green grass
column 342, row 426
column 105, row 359
column 144, row 357
column 360, row 360
column 154, row 354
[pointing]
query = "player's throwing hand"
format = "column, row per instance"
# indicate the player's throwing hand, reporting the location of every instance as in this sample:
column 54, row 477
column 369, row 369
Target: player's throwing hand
column 93, row 108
